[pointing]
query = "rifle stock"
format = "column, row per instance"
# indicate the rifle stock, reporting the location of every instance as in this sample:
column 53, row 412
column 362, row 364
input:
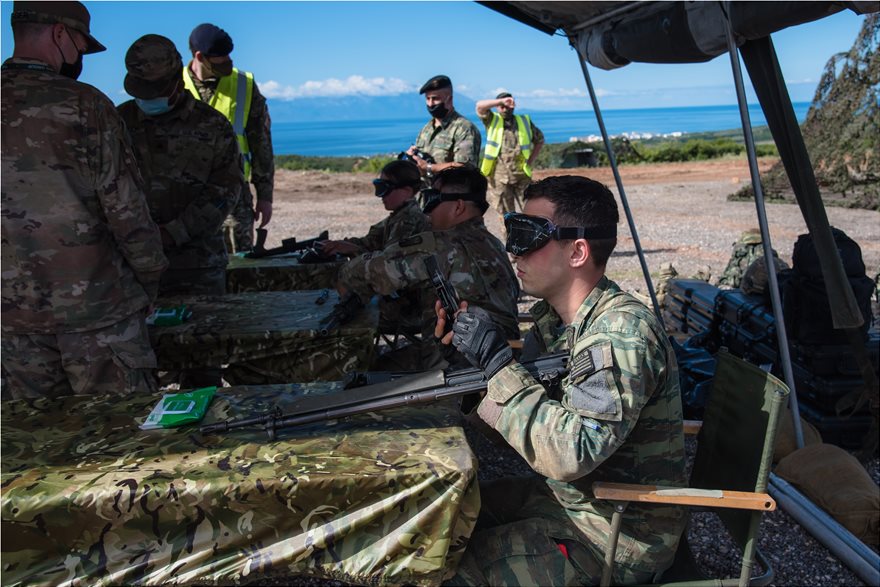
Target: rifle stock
column 422, row 388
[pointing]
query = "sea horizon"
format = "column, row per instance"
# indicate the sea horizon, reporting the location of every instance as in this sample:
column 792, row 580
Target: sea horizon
column 365, row 138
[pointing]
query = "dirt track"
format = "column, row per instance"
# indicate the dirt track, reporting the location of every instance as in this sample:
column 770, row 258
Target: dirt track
column 680, row 211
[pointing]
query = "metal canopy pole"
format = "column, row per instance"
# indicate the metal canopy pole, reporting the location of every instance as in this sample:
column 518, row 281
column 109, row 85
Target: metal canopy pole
column 776, row 301
column 623, row 200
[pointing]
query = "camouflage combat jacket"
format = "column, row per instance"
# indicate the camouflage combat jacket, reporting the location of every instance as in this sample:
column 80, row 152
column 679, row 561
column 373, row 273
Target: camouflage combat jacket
column 617, row 417
column 190, row 163
column 456, row 139
column 258, row 129
column 470, row 257
column 79, row 250
column 406, row 221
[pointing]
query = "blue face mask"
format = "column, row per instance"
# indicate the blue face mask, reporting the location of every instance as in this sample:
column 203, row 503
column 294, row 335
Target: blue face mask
column 154, row 106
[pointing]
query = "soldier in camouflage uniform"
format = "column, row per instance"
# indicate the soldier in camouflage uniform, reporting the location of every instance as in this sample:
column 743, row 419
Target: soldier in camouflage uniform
column 81, row 256
column 509, row 170
column 616, row 417
column 745, row 250
column 189, row 159
column 206, row 76
column 450, row 138
column 397, row 185
column 469, row 256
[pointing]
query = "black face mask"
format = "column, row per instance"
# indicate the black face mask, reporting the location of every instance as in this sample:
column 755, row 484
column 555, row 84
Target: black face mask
column 71, row 70
column 438, row 111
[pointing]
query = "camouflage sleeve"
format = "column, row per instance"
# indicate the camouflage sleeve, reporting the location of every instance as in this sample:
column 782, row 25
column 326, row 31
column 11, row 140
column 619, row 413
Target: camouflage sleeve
column 374, row 240
column 613, row 374
column 406, row 226
column 399, row 266
column 259, row 135
column 537, row 135
column 467, row 145
column 120, row 190
column 219, row 194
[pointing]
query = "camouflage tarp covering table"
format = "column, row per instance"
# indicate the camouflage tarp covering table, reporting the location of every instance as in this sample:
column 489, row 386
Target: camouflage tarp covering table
column 89, row 499
column 266, row 337
column 278, row 273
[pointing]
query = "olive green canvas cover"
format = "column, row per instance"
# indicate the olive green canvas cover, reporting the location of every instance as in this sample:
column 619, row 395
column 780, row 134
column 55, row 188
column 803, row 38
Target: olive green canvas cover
column 386, row 498
column 278, row 273
column 266, row 337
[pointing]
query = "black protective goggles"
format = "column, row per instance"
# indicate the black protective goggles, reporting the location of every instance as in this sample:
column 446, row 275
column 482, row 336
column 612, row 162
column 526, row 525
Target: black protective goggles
column 384, row 187
column 529, row 233
column 431, row 198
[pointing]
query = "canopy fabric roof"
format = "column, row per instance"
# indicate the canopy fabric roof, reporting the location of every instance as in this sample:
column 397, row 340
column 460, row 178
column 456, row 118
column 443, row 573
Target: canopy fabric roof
column 613, row 34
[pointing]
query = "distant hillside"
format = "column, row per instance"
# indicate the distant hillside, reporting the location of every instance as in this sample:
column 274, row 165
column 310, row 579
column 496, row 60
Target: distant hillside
column 356, row 108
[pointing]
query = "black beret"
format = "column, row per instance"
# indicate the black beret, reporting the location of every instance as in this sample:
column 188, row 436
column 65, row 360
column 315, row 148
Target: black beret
column 503, row 95
column 211, row 40
column 438, row 82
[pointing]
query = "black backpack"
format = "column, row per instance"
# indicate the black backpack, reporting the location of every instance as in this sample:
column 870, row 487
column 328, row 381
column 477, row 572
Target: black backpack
column 804, row 297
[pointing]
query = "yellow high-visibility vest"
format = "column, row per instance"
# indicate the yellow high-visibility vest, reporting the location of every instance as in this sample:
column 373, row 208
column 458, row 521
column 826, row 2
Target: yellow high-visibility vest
column 494, row 136
column 232, row 99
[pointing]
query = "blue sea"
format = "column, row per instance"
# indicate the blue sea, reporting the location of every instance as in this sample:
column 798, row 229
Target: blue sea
column 371, row 137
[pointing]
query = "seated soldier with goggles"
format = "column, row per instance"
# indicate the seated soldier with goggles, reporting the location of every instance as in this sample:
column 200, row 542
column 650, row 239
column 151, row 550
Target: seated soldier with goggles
column 616, row 415
column 397, row 185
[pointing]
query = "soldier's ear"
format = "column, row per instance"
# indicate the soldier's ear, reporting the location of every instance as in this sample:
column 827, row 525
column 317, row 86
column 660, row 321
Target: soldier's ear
column 580, row 253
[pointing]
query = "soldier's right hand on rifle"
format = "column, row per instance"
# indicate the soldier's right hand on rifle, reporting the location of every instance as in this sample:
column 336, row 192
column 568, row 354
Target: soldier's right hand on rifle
column 475, row 336
column 330, row 248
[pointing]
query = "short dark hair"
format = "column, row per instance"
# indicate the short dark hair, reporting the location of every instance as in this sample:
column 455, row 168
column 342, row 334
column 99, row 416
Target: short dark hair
column 22, row 30
column 403, row 172
column 470, row 181
column 580, row 201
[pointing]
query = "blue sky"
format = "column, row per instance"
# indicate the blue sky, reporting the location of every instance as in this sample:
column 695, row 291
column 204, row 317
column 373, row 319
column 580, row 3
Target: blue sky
column 298, row 49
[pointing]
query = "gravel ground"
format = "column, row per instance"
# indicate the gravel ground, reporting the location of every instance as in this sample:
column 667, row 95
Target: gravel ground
column 682, row 217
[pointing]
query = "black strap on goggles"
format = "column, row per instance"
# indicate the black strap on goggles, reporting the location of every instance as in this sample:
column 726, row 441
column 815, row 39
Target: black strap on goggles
column 529, row 233
column 433, row 197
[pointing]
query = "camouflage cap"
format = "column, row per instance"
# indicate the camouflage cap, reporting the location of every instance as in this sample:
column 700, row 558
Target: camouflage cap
column 71, row 14
column 153, row 64
column 438, row 82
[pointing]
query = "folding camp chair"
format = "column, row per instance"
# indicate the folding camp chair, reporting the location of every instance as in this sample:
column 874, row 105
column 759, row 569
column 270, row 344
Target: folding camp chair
column 731, row 468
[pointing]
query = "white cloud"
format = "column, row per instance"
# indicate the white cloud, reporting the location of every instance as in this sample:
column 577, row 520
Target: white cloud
column 352, row 85
column 559, row 93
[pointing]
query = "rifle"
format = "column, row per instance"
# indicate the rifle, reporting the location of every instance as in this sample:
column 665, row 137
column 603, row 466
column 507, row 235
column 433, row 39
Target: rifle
column 344, row 310
column 288, row 245
column 445, row 292
column 421, row 388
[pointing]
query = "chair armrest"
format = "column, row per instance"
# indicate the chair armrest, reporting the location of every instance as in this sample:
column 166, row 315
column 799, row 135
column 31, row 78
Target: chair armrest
column 692, row 427
column 740, row 500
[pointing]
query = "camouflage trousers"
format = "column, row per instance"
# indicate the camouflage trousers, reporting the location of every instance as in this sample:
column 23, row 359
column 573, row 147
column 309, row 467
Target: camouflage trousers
column 507, row 194
column 112, row 360
column 523, row 537
column 238, row 228
column 209, row 281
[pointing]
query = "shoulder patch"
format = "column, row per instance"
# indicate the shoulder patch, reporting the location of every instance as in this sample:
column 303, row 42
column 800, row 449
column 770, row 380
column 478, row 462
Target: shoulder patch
column 592, row 390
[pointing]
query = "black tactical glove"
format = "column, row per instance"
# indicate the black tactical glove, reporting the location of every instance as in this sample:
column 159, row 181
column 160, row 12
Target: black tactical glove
column 481, row 341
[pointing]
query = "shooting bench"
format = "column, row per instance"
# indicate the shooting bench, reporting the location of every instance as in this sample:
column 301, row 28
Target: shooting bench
column 266, row 337
column 89, row 498
column 278, row 273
